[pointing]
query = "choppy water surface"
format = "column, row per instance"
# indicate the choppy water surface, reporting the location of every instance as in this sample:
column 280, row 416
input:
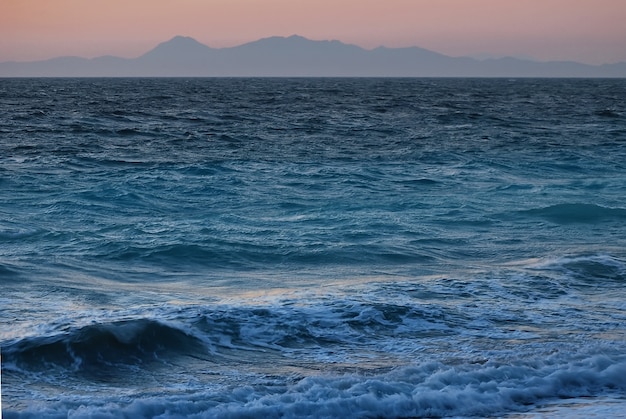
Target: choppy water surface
column 312, row 248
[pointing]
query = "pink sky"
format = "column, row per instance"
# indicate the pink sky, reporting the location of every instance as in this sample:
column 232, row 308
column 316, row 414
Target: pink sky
column 592, row 31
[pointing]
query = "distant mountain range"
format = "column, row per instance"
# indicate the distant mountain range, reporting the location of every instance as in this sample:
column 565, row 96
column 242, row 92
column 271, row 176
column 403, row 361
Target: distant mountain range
column 299, row 57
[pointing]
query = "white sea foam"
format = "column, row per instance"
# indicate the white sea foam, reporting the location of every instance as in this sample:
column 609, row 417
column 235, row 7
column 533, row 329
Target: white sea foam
column 428, row 390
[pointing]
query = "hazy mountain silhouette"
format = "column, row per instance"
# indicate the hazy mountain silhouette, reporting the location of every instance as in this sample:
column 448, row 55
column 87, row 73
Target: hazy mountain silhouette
column 298, row 56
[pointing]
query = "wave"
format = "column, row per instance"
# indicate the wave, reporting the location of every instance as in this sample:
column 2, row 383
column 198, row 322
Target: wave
column 607, row 113
column 9, row 274
column 388, row 320
column 577, row 213
column 7, row 271
column 586, row 269
column 342, row 328
column 394, row 317
column 436, row 347
column 263, row 251
column 101, row 345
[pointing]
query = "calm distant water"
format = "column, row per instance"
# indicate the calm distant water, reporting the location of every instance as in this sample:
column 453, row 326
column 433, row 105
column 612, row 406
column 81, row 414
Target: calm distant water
column 287, row 248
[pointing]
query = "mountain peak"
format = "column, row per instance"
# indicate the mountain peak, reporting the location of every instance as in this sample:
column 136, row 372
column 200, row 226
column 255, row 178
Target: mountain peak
column 179, row 46
column 182, row 40
column 279, row 40
column 296, row 37
column 298, row 43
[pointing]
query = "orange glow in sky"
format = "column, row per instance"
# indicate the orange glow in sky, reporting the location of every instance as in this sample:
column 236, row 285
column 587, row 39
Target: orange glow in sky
column 580, row 30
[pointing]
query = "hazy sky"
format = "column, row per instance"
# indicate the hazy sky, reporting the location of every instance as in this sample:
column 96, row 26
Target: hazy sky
column 592, row 31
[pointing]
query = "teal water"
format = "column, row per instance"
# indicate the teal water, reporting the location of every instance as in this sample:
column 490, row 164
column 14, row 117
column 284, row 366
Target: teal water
column 311, row 247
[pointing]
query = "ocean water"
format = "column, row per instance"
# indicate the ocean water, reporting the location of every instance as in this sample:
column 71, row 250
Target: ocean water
column 312, row 248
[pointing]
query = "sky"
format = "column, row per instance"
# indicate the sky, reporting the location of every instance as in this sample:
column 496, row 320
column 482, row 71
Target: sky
column 589, row 31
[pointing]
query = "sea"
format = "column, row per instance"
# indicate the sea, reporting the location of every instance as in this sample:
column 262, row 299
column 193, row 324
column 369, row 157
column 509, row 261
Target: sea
column 313, row 248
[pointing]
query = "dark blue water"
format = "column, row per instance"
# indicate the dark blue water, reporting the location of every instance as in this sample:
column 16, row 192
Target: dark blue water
column 312, row 248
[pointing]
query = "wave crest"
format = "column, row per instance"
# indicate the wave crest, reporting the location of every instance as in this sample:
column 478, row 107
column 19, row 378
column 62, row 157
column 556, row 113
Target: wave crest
column 131, row 342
